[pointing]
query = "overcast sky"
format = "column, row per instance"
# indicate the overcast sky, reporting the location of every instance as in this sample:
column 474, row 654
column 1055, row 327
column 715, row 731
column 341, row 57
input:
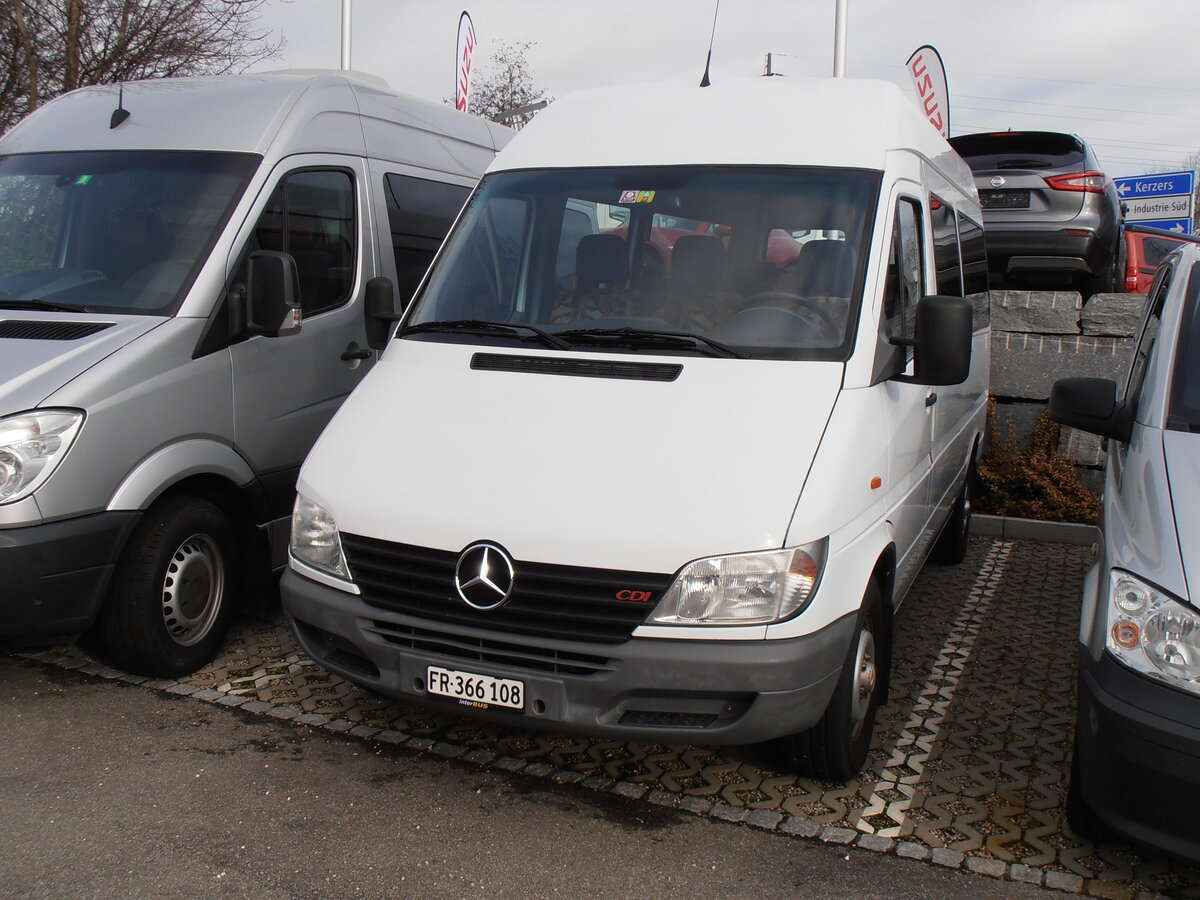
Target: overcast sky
column 1122, row 74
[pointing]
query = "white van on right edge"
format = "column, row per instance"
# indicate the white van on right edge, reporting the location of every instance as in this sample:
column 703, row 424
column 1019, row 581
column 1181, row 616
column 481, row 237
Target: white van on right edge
column 691, row 392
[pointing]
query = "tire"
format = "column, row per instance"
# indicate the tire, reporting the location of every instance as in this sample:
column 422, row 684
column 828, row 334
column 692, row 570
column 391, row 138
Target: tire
column 167, row 607
column 1080, row 815
column 952, row 543
column 835, row 749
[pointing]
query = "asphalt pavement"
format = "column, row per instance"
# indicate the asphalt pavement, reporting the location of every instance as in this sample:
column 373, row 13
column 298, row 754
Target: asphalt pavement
column 118, row 790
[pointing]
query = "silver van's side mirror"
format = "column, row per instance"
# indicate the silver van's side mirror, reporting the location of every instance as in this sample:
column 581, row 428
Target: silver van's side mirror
column 272, row 294
column 942, row 345
column 379, row 307
column 1091, row 405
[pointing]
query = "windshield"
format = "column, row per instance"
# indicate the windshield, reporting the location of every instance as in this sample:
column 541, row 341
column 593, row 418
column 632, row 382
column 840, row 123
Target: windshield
column 1184, row 413
column 625, row 253
column 112, row 231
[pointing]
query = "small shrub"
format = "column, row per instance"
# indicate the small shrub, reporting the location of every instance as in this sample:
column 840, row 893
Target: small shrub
column 1035, row 481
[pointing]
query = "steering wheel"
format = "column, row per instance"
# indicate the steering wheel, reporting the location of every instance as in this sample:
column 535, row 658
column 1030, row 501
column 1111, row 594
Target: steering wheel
column 774, row 298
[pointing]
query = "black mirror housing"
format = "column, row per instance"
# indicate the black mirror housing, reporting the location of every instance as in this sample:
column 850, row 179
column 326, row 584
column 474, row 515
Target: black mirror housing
column 379, row 307
column 273, row 297
column 1091, row 405
column 942, row 345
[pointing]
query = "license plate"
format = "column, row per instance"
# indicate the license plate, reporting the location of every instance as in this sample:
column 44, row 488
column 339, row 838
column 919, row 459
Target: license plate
column 471, row 689
column 1004, row 199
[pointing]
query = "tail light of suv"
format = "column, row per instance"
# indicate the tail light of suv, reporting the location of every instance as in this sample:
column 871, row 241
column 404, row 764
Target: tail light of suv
column 1087, row 182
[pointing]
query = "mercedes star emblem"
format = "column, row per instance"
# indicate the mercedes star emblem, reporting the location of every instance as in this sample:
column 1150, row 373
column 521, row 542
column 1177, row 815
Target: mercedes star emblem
column 484, row 576
column 997, row 181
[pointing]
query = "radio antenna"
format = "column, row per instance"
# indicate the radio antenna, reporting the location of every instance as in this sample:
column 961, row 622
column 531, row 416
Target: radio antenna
column 120, row 114
column 704, row 82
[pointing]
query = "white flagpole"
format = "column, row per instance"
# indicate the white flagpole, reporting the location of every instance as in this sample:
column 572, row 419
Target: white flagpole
column 346, row 4
column 839, row 39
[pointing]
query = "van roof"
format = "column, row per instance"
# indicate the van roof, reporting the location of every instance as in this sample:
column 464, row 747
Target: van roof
column 284, row 112
column 762, row 121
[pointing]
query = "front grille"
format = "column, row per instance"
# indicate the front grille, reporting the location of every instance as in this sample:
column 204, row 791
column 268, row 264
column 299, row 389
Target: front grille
column 566, row 603
column 486, row 650
column 30, row 330
column 655, row 719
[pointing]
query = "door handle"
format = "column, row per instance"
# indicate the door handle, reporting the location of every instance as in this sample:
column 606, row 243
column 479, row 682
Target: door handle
column 355, row 352
column 930, row 398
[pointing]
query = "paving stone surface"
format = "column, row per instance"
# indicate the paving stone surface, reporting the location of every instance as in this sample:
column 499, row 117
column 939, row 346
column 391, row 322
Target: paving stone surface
column 971, row 751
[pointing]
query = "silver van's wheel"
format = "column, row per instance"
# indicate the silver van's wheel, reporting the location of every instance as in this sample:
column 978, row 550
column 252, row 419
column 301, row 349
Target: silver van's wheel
column 166, row 609
column 836, row 747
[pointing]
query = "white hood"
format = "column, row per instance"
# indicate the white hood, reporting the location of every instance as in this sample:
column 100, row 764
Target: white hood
column 610, row 473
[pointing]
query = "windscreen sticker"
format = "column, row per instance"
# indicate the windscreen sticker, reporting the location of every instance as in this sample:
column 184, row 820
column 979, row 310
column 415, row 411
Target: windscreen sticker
column 83, row 179
column 637, row 197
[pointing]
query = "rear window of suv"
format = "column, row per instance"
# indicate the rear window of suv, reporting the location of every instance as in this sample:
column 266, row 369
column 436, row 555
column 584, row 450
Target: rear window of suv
column 1019, row 150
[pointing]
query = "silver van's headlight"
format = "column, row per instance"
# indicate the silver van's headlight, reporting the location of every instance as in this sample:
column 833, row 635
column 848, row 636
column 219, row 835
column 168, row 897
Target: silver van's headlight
column 746, row 589
column 32, row 444
column 315, row 539
column 1152, row 632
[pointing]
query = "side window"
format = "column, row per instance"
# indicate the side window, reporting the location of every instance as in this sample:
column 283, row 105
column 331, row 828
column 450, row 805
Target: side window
column 420, row 213
column 311, row 216
column 903, row 286
column 1150, row 328
column 945, row 248
column 975, row 273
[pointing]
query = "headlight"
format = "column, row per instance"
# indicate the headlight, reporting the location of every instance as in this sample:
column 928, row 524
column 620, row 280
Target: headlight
column 747, row 589
column 315, row 539
column 1152, row 632
column 32, row 445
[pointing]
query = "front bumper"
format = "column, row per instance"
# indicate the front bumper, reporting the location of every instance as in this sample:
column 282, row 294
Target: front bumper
column 709, row 692
column 53, row 576
column 1138, row 746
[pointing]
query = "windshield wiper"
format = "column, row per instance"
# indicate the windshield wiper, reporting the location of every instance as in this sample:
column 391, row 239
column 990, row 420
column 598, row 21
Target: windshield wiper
column 649, row 337
column 43, row 305
column 479, row 326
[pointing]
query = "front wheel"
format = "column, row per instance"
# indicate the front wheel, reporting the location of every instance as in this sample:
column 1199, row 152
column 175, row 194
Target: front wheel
column 952, row 543
column 167, row 607
column 836, row 747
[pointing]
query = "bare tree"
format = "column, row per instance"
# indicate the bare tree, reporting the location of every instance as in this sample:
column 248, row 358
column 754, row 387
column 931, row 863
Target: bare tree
column 48, row 47
column 507, row 85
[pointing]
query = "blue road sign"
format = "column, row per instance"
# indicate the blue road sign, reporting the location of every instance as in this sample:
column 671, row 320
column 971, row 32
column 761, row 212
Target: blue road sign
column 1180, row 226
column 1164, row 184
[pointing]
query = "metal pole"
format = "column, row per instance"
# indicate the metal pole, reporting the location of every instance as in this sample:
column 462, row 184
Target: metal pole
column 346, row 4
column 839, row 39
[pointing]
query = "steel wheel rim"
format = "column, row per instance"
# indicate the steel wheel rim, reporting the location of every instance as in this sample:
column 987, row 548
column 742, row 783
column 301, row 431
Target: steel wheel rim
column 193, row 586
column 866, row 678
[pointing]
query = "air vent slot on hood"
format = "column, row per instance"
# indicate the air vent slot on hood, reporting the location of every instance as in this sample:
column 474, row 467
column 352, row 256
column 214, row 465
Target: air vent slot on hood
column 28, row 330
column 579, row 368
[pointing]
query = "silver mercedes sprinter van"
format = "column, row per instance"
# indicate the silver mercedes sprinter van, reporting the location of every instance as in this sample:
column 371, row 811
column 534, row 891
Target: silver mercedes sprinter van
column 698, row 396
column 193, row 275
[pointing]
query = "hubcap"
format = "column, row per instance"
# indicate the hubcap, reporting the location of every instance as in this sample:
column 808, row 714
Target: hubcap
column 866, row 676
column 193, row 586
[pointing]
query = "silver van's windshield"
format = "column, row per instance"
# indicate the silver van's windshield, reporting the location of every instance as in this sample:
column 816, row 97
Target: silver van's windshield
column 111, row 231
column 760, row 262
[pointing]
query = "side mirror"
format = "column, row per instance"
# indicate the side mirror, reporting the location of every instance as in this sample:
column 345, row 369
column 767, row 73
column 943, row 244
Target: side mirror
column 1091, row 405
column 379, row 306
column 942, row 345
column 272, row 298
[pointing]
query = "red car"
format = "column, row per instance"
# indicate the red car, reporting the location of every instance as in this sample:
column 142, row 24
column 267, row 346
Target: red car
column 1143, row 248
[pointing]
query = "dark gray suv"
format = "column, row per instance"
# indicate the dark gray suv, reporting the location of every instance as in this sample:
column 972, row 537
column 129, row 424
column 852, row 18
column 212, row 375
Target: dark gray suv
column 1051, row 216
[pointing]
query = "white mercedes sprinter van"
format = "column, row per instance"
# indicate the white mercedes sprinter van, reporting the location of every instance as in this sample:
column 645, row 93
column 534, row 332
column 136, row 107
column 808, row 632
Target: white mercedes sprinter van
column 664, row 470
column 160, row 244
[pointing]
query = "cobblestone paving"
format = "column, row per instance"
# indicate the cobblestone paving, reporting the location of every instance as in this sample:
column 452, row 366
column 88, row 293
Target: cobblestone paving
column 968, row 767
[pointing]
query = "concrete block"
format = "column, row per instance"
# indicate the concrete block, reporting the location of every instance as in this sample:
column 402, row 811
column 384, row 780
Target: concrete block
column 994, row 867
column 952, row 859
column 800, row 827
column 1036, row 312
column 876, row 843
column 832, row 835
column 1025, row 874
column 911, row 850
column 1025, row 366
column 1015, row 418
column 729, row 813
column 765, row 818
column 1114, row 315
column 1064, row 881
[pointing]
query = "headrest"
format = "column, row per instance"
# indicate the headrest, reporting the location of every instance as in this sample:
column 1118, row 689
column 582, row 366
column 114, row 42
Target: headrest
column 601, row 259
column 698, row 260
column 825, row 269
